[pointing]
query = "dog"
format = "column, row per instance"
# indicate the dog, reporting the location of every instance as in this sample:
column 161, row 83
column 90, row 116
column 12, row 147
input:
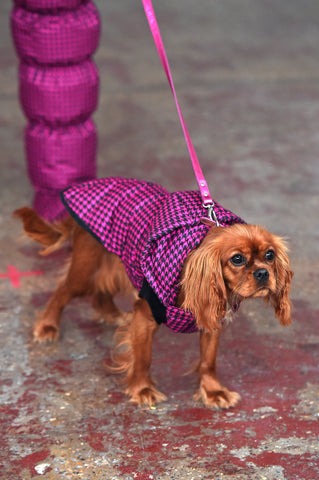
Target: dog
column 180, row 268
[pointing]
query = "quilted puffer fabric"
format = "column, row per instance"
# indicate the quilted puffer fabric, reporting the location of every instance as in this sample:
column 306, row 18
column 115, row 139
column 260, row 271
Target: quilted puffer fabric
column 46, row 151
column 63, row 37
column 48, row 5
column 59, row 95
column 58, row 91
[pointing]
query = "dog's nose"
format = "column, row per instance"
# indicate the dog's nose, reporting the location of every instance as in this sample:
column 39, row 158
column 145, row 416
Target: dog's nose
column 261, row 275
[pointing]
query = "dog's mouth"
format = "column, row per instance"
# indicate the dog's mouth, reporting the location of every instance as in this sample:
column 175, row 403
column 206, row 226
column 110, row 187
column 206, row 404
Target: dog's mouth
column 262, row 291
column 259, row 292
column 236, row 298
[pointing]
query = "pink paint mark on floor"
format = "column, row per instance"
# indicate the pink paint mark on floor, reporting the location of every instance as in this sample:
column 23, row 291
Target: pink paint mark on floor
column 14, row 275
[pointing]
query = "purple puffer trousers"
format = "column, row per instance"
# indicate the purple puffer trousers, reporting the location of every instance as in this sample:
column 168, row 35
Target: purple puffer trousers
column 151, row 230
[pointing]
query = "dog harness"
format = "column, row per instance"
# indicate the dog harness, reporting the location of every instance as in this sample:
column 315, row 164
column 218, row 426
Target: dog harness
column 151, row 230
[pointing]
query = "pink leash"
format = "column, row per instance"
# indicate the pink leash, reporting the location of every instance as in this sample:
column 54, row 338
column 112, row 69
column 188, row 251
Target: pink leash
column 206, row 197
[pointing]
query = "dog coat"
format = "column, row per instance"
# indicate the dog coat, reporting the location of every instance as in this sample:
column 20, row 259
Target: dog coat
column 151, row 230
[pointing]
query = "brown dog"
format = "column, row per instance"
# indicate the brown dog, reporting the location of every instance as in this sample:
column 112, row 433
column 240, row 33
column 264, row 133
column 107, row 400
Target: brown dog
column 230, row 265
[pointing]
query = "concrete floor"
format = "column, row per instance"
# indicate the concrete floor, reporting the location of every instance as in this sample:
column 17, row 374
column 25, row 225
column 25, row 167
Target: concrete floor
column 247, row 75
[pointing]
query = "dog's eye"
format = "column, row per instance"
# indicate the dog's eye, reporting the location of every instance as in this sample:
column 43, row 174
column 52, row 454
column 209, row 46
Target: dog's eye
column 270, row 255
column 238, row 260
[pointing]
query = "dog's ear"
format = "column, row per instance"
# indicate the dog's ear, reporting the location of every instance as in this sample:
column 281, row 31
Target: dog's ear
column 203, row 290
column 280, row 300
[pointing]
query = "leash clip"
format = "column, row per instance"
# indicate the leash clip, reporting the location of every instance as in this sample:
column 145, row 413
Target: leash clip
column 211, row 213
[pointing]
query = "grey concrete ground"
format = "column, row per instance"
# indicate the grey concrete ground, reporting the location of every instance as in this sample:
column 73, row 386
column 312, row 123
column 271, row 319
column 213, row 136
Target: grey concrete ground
column 247, row 75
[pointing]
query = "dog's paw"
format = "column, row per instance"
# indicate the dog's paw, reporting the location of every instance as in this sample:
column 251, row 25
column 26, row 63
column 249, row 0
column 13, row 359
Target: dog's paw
column 217, row 399
column 45, row 333
column 146, row 397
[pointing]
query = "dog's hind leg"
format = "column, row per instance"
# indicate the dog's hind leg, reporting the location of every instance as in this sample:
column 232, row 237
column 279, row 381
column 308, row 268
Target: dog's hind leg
column 46, row 326
column 136, row 339
column 78, row 282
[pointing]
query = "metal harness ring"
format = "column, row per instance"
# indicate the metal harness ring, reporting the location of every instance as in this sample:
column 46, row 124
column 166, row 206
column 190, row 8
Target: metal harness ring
column 211, row 213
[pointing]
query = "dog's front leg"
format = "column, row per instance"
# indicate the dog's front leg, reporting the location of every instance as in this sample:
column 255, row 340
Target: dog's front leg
column 136, row 360
column 211, row 392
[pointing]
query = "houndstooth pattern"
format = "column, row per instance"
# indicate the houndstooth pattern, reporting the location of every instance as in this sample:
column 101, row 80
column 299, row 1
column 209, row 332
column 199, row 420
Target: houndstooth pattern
column 150, row 229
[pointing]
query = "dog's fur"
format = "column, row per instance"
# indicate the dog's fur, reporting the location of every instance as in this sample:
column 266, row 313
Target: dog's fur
column 230, row 265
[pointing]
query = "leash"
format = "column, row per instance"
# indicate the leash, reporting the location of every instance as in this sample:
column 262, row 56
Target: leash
column 203, row 187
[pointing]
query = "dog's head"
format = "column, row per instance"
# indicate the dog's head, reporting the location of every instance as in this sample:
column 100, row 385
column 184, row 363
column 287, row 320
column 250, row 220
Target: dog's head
column 233, row 264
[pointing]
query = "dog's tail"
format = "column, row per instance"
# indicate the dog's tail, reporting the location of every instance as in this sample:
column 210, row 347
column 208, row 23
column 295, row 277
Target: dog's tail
column 51, row 235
